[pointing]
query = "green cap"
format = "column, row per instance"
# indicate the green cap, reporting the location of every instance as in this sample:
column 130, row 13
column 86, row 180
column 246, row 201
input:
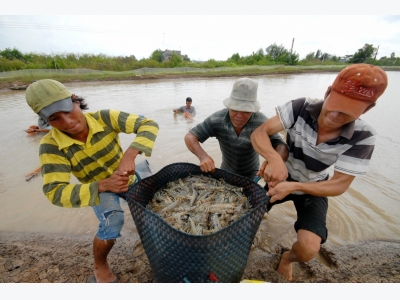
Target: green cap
column 45, row 92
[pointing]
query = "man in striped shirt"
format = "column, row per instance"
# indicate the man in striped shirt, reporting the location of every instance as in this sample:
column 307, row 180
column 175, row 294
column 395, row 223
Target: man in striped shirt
column 87, row 145
column 232, row 127
column 319, row 135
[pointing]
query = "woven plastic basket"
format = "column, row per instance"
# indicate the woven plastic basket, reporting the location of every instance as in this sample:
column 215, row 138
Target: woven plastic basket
column 176, row 256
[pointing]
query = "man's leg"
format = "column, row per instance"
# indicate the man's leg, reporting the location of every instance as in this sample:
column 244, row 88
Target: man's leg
column 304, row 249
column 111, row 217
column 102, row 271
column 311, row 232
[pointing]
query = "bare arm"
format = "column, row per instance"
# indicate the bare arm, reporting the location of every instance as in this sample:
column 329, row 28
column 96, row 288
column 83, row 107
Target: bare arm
column 336, row 186
column 34, row 128
column 118, row 181
column 283, row 152
column 275, row 171
column 206, row 162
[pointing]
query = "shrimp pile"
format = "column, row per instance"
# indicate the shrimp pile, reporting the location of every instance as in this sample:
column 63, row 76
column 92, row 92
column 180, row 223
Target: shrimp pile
column 199, row 205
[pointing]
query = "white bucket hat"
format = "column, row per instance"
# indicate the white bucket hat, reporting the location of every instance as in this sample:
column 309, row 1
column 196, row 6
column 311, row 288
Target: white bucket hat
column 243, row 96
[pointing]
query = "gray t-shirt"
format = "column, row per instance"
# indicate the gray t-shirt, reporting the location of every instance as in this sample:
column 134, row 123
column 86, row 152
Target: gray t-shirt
column 184, row 109
column 238, row 154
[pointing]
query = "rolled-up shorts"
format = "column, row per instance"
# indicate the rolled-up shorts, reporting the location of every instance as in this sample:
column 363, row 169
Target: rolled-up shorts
column 111, row 216
column 311, row 213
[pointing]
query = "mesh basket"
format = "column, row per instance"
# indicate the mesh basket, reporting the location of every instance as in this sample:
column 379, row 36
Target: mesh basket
column 176, row 256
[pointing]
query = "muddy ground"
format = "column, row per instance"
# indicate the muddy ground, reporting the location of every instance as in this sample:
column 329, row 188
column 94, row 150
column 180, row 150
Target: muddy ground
column 33, row 258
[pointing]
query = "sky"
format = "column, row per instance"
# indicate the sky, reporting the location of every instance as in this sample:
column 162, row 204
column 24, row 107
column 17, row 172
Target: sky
column 202, row 30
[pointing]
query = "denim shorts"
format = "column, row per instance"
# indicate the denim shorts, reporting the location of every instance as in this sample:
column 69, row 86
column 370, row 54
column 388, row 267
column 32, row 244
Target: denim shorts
column 311, row 213
column 111, row 216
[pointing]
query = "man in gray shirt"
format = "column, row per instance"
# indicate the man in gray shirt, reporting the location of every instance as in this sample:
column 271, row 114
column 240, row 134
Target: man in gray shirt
column 232, row 127
column 188, row 109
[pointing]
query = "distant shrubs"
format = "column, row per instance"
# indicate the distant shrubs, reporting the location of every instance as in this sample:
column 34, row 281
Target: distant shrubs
column 13, row 59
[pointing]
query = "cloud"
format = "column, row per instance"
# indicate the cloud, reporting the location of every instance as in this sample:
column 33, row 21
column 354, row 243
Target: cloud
column 201, row 37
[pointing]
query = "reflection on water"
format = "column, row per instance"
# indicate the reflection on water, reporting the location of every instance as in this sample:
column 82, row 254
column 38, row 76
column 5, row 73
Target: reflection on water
column 368, row 210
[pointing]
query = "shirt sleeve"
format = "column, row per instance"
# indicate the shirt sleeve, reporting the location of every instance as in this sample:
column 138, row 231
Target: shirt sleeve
column 194, row 111
column 56, row 173
column 146, row 130
column 289, row 111
column 355, row 160
column 203, row 130
column 276, row 139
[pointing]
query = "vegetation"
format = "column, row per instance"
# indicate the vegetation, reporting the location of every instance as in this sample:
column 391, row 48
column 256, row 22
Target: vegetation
column 273, row 55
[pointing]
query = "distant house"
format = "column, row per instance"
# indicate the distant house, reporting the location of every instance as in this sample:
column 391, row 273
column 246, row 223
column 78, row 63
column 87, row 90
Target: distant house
column 167, row 54
column 345, row 58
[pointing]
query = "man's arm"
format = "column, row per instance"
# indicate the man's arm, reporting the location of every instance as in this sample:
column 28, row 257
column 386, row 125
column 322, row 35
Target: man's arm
column 56, row 174
column 275, row 170
column 206, row 162
column 146, row 129
column 283, row 151
column 335, row 186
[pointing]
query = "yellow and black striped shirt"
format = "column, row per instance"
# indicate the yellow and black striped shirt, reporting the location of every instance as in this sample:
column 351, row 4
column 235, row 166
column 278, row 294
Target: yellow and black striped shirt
column 97, row 159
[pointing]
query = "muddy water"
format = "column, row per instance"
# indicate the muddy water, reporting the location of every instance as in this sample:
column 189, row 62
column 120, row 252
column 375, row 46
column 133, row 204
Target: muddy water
column 370, row 209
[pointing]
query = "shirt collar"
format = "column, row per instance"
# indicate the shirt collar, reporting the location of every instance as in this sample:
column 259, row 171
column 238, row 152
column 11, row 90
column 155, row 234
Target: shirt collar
column 315, row 109
column 65, row 141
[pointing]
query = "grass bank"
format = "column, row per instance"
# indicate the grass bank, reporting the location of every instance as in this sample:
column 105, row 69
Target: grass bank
column 23, row 77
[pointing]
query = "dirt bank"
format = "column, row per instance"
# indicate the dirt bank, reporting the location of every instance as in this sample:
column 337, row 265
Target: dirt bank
column 30, row 258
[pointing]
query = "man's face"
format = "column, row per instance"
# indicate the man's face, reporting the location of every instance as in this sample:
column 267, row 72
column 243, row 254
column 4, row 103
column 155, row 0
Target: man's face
column 188, row 104
column 72, row 123
column 334, row 119
column 239, row 118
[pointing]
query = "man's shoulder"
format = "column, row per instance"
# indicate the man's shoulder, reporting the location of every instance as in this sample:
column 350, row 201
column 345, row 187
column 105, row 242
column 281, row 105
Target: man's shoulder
column 259, row 117
column 218, row 116
column 363, row 126
column 214, row 120
column 221, row 112
column 48, row 140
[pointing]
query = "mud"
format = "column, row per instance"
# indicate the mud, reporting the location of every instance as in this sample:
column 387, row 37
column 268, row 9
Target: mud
column 34, row 258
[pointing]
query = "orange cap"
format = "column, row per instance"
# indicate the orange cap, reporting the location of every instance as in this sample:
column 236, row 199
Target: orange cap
column 356, row 89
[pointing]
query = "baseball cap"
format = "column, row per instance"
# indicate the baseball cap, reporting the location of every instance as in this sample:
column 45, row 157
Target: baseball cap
column 243, row 96
column 47, row 97
column 356, row 89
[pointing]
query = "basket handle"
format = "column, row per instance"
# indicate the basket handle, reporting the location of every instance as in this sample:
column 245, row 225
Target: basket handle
column 138, row 176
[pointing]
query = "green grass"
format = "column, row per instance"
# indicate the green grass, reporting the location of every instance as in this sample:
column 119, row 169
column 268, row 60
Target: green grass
column 27, row 76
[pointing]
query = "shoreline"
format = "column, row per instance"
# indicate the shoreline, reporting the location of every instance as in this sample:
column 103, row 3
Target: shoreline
column 6, row 83
column 47, row 258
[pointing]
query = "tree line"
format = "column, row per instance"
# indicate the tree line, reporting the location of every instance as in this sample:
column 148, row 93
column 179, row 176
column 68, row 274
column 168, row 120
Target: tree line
column 13, row 59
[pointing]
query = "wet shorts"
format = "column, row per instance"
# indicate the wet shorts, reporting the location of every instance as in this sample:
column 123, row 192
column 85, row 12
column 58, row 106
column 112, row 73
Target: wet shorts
column 110, row 215
column 311, row 213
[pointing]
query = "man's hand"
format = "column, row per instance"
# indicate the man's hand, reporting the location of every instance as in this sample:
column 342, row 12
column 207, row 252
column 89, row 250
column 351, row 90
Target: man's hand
column 116, row 183
column 207, row 164
column 127, row 163
column 32, row 129
column 280, row 191
column 273, row 173
column 188, row 116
